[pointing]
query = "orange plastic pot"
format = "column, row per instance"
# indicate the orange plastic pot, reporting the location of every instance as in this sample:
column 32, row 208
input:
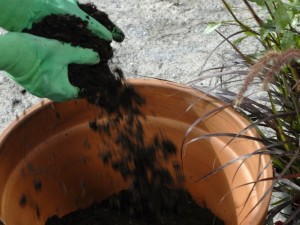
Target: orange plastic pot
column 49, row 157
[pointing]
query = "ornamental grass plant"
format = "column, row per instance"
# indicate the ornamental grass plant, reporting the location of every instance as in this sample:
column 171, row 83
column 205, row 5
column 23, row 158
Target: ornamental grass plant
column 261, row 80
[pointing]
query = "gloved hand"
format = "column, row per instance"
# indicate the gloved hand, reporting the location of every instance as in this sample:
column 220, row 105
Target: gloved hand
column 19, row 14
column 40, row 65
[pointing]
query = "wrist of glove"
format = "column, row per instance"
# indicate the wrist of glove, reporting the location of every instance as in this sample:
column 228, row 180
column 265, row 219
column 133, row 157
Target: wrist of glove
column 17, row 15
column 40, row 65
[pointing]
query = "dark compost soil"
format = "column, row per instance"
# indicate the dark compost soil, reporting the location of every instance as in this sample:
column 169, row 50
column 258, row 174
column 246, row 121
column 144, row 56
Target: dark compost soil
column 187, row 213
column 149, row 200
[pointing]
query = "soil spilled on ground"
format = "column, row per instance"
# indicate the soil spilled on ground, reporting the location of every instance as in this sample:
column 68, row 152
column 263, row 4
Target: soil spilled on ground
column 149, row 200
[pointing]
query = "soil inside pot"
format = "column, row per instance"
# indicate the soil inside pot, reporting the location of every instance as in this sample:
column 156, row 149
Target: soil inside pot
column 106, row 213
column 140, row 160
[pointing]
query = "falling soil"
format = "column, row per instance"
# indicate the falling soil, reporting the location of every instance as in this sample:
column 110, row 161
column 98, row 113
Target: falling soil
column 141, row 161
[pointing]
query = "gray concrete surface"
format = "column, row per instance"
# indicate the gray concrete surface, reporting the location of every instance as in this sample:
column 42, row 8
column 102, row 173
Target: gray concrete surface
column 163, row 40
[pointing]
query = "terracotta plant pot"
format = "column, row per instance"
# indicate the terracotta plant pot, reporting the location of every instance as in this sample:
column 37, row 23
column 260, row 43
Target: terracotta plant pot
column 49, row 157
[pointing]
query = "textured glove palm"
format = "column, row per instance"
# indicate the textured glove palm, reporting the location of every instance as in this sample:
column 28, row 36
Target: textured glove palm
column 40, row 65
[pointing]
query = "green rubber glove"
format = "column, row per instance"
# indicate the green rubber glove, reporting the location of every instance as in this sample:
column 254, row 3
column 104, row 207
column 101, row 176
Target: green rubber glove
column 19, row 14
column 40, row 65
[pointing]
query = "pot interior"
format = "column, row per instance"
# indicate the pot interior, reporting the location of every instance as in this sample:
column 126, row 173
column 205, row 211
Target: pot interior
column 50, row 158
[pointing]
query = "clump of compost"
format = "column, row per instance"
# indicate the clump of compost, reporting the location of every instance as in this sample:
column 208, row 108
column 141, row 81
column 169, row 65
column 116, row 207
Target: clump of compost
column 141, row 161
column 97, row 83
